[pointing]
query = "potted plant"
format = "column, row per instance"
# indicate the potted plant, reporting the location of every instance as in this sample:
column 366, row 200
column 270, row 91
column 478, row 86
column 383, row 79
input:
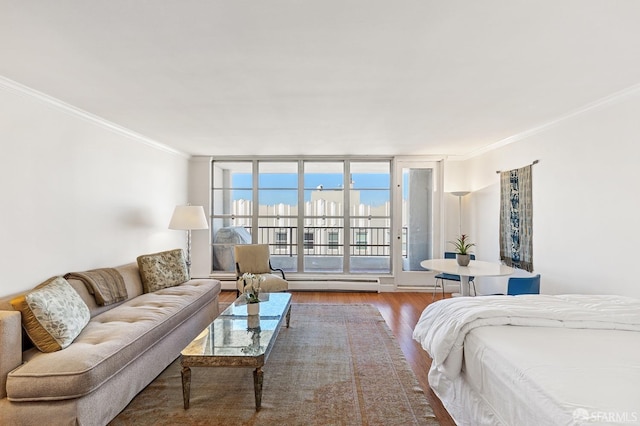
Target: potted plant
column 252, row 292
column 462, row 246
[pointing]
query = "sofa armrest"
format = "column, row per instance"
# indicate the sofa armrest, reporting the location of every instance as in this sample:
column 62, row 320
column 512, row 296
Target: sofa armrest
column 10, row 346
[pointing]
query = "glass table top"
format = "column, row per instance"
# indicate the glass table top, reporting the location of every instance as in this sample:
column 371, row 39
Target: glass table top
column 235, row 334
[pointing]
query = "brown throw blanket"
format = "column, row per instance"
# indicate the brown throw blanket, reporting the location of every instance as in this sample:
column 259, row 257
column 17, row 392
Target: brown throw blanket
column 106, row 284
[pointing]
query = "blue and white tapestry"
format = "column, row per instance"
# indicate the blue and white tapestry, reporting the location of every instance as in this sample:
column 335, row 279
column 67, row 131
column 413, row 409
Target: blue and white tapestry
column 516, row 225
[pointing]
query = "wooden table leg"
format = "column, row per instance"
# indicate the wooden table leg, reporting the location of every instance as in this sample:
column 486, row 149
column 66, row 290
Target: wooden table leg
column 186, row 386
column 257, row 386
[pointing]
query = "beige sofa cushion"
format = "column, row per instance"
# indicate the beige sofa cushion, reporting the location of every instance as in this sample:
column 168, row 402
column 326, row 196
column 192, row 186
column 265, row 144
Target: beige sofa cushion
column 110, row 342
column 53, row 314
column 162, row 270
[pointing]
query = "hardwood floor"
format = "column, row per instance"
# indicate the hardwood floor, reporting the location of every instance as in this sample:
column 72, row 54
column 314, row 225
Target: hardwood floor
column 401, row 312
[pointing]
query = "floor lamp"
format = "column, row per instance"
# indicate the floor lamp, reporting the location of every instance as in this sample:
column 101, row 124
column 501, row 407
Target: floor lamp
column 460, row 194
column 188, row 218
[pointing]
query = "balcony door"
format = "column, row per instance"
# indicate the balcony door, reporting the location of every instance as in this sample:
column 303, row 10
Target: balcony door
column 417, row 211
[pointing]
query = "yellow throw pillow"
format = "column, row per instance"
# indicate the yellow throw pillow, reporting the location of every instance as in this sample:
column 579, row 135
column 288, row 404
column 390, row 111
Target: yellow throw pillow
column 53, row 314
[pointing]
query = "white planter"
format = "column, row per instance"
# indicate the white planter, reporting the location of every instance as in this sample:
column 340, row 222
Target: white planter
column 253, row 308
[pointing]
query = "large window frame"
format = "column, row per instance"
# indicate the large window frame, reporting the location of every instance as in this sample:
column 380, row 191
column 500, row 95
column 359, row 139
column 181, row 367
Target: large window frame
column 341, row 225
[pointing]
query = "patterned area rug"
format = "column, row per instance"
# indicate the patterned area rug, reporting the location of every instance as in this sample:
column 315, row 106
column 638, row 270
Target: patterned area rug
column 335, row 365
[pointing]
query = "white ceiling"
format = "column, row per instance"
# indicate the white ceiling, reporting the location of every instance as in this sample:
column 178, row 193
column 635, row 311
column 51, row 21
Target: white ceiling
column 324, row 77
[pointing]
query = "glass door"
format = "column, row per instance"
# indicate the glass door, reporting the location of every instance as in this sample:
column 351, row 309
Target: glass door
column 418, row 210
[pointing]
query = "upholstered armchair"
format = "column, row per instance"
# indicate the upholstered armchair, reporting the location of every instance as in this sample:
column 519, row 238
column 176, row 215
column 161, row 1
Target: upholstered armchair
column 254, row 258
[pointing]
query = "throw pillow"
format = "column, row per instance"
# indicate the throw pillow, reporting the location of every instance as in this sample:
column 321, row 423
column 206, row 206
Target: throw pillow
column 53, row 314
column 162, row 270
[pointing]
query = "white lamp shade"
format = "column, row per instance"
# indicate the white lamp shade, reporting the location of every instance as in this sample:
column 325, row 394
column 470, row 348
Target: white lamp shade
column 188, row 217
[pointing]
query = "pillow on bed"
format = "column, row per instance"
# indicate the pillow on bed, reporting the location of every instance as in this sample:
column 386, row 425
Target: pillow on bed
column 53, row 314
column 162, row 270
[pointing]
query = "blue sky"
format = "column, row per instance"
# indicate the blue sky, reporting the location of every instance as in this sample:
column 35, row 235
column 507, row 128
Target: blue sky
column 367, row 182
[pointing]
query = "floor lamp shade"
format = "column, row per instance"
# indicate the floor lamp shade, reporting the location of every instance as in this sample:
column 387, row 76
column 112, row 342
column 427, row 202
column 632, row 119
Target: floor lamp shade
column 460, row 194
column 188, row 218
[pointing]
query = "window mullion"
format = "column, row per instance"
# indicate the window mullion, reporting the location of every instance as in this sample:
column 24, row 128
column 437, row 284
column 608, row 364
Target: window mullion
column 347, row 216
column 300, row 219
column 255, row 204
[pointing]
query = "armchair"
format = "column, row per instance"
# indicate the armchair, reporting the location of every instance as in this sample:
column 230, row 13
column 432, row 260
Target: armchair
column 254, row 258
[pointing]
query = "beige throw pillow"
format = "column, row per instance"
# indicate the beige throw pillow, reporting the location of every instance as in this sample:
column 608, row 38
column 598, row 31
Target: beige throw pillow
column 162, row 270
column 53, row 314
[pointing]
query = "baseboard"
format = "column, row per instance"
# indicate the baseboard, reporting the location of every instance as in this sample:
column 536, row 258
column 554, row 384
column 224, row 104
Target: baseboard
column 381, row 286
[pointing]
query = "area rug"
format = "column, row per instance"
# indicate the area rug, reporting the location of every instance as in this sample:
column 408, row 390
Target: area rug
column 335, row 365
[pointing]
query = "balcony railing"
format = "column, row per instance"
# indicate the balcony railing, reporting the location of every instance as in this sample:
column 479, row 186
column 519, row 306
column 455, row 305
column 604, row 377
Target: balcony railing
column 329, row 240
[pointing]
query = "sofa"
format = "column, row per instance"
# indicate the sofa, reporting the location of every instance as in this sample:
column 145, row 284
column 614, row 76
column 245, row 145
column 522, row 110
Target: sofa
column 120, row 350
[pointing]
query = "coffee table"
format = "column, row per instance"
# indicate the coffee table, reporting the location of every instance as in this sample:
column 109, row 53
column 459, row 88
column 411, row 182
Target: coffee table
column 235, row 339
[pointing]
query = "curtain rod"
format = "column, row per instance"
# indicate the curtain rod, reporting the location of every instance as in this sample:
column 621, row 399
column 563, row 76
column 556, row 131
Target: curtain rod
column 534, row 162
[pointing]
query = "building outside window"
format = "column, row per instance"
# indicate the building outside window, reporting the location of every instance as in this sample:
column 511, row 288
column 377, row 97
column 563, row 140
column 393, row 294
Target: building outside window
column 281, row 237
column 334, row 240
column 308, row 240
column 361, row 239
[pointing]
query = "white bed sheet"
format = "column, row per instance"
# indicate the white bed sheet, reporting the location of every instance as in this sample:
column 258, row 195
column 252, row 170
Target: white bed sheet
column 516, row 375
column 535, row 359
column 443, row 326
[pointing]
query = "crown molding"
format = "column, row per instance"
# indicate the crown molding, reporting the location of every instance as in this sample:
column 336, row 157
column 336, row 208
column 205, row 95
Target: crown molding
column 20, row 89
column 600, row 103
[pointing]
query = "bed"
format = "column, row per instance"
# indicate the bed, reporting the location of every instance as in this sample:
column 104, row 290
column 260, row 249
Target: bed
column 535, row 359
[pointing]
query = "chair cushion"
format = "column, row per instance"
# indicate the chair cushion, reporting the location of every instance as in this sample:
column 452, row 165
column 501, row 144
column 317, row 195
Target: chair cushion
column 271, row 284
column 53, row 314
column 162, row 270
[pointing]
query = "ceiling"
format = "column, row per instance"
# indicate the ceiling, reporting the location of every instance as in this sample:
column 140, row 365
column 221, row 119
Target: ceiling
column 324, row 77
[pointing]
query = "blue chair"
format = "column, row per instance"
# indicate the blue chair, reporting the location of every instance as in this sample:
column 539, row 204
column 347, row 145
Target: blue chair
column 450, row 277
column 523, row 285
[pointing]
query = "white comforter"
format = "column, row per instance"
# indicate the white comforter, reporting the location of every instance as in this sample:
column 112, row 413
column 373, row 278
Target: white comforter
column 443, row 325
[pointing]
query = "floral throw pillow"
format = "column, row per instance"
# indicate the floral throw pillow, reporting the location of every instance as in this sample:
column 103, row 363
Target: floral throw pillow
column 53, row 314
column 162, row 270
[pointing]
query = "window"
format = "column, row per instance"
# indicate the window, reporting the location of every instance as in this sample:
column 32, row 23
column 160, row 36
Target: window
column 361, row 238
column 334, row 239
column 370, row 201
column 317, row 216
column 308, row 240
column 281, row 237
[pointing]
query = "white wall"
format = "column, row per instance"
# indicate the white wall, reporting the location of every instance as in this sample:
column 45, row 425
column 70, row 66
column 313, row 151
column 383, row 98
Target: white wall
column 77, row 194
column 200, row 194
column 586, row 207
